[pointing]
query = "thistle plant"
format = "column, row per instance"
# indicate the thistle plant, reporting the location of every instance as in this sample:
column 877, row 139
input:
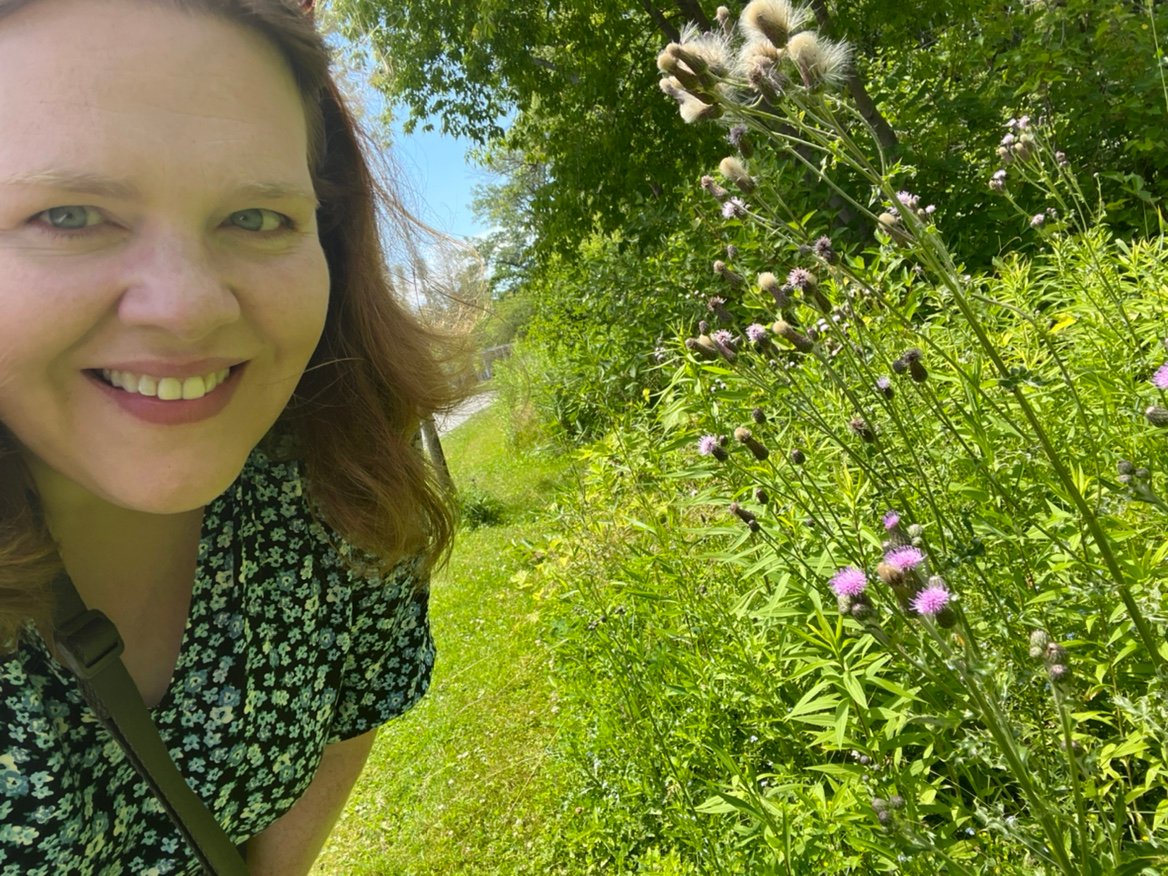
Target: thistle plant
column 890, row 379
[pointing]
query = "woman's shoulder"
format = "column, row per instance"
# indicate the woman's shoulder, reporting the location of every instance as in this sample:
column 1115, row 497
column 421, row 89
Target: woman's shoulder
column 270, row 505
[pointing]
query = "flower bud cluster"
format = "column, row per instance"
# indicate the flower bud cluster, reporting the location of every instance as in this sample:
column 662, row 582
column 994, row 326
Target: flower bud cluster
column 1052, row 654
column 773, row 39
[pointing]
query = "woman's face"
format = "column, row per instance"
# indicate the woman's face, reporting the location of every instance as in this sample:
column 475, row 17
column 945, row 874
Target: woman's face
column 157, row 239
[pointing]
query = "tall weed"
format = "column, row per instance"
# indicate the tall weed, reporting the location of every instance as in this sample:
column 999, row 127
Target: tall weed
column 879, row 586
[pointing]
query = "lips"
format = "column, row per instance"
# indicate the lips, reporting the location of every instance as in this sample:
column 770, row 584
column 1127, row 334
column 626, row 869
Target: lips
column 166, row 388
column 175, row 402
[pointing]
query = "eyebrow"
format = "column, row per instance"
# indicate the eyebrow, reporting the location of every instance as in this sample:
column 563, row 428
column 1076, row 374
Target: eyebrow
column 109, row 187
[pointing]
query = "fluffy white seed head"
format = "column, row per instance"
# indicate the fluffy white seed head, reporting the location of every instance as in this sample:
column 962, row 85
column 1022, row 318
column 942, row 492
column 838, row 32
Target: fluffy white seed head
column 773, row 20
column 712, row 47
column 758, row 62
column 820, row 61
column 694, row 110
column 735, row 171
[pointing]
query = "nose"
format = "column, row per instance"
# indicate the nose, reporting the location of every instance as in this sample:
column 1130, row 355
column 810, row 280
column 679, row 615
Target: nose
column 174, row 284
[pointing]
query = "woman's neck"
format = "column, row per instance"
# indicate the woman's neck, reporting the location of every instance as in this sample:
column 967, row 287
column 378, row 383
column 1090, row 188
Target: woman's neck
column 117, row 555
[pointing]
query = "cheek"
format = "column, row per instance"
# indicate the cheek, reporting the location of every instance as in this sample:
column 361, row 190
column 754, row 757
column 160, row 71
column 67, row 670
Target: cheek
column 294, row 304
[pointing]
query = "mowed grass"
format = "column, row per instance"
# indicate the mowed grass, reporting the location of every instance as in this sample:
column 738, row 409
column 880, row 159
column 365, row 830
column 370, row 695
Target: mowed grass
column 464, row 783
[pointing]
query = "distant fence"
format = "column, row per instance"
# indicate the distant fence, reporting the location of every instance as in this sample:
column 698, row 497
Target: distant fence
column 488, row 358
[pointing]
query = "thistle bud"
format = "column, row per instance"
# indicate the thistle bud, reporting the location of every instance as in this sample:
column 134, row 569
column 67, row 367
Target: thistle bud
column 797, row 456
column 743, row 436
column 795, row 338
column 734, row 170
column 759, row 416
column 702, row 347
column 860, row 427
column 717, row 306
column 1058, row 672
column 710, row 185
column 745, row 516
column 1039, row 639
column 891, row 225
column 916, row 368
column 1125, row 467
column 726, row 273
column 760, row 496
column 1157, row 415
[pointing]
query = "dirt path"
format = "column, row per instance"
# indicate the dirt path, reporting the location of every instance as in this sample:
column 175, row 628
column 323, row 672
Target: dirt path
column 464, row 411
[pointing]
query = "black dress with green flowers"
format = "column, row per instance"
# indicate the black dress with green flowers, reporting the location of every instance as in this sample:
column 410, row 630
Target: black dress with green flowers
column 285, row 651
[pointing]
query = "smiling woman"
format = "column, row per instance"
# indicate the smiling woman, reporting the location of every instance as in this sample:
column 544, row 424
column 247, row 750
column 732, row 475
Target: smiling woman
column 208, row 404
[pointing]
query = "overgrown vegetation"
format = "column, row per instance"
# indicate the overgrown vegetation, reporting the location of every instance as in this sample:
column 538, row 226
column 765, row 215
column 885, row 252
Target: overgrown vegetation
column 865, row 570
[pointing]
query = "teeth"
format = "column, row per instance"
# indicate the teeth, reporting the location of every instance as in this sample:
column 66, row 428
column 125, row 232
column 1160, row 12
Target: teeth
column 166, row 388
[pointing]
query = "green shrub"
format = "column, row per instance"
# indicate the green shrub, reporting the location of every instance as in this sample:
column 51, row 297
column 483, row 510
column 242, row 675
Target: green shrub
column 877, row 585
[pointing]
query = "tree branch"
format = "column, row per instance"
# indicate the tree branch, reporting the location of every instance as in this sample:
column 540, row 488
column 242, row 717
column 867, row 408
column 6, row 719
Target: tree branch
column 885, row 136
column 692, row 10
column 671, row 33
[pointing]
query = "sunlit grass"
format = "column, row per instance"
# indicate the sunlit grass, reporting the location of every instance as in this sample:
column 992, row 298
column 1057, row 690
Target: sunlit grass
column 464, row 782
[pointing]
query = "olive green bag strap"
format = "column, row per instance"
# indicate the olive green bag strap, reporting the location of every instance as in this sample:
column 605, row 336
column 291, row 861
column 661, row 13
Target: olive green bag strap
column 89, row 646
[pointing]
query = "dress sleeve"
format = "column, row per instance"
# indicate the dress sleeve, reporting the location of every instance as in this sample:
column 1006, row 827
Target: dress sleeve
column 390, row 655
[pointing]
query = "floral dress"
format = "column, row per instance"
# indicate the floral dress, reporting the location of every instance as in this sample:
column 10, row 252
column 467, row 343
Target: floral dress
column 286, row 650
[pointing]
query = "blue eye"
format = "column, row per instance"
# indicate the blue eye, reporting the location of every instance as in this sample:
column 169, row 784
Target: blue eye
column 72, row 218
column 259, row 220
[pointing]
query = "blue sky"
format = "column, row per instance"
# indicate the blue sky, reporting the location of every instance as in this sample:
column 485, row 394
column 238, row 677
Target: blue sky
column 436, row 166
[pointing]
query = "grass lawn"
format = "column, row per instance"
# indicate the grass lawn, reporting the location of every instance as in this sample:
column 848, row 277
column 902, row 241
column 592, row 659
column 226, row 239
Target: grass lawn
column 463, row 783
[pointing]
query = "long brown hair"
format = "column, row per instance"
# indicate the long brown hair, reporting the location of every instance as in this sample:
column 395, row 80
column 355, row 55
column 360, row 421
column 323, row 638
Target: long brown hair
column 376, row 374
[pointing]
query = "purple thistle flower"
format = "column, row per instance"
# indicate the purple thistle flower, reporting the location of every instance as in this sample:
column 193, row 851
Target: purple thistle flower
column 735, row 135
column 757, row 333
column 904, row 558
column 849, row 581
column 823, row 248
column 1037, row 219
column 800, row 278
column 1160, row 378
column 908, row 199
column 723, row 336
column 891, row 520
column 998, row 181
column 735, row 208
column 706, row 444
column 931, row 601
column 884, row 386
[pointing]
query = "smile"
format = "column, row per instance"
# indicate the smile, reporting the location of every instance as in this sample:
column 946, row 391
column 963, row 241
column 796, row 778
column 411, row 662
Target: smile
column 165, row 388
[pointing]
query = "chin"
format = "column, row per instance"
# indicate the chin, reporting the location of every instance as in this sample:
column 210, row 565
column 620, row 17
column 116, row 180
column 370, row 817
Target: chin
column 176, row 495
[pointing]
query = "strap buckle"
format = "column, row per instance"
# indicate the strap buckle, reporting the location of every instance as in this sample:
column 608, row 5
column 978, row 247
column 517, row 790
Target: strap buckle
column 88, row 643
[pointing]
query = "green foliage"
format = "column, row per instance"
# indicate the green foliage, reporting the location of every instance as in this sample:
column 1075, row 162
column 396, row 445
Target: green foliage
column 722, row 708
column 478, row 508
column 992, row 703
column 948, row 75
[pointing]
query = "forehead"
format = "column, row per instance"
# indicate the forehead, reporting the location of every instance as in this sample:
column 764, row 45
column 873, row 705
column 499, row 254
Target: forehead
column 139, row 88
